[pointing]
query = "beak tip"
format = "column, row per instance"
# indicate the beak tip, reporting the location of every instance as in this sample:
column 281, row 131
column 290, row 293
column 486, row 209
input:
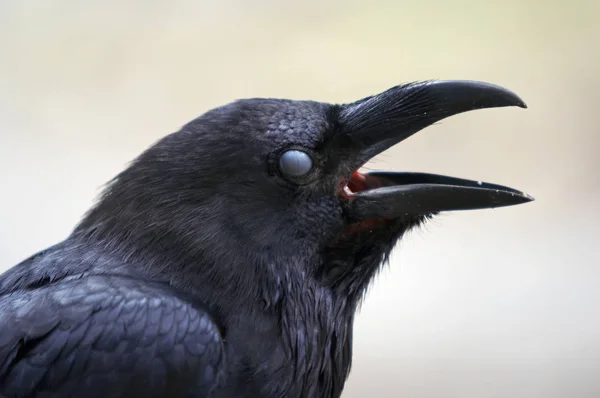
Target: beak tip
column 523, row 198
column 511, row 98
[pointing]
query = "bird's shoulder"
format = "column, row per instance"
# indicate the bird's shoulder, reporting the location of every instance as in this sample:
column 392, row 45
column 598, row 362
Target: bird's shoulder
column 106, row 335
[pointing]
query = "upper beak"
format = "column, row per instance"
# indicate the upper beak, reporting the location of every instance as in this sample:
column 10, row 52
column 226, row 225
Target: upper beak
column 376, row 123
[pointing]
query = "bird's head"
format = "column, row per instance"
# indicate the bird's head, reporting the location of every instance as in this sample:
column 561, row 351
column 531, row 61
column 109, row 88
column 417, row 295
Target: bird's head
column 275, row 183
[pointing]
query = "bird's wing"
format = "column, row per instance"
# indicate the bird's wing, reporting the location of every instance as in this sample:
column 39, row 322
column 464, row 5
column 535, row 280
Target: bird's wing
column 106, row 336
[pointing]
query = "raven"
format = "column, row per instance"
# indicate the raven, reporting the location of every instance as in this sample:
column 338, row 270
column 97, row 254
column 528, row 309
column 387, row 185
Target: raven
column 229, row 258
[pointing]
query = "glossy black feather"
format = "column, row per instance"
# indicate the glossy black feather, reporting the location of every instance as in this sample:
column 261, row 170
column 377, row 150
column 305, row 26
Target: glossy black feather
column 101, row 336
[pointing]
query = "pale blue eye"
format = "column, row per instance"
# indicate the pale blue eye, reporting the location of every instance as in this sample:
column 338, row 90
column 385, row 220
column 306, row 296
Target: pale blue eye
column 295, row 163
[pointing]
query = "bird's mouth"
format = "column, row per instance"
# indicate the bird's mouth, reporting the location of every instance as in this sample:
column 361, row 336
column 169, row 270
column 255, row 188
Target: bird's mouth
column 377, row 123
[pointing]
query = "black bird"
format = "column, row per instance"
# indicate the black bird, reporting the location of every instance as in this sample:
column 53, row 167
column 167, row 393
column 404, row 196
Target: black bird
column 229, row 258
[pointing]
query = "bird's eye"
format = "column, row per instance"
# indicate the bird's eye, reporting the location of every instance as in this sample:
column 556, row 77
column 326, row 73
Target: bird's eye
column 295, row 163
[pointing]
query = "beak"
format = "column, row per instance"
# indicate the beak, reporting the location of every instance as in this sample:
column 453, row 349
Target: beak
column 374, row 124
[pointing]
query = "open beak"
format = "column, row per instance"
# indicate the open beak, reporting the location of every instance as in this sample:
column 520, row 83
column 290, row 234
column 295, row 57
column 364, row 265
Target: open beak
column 376, row 123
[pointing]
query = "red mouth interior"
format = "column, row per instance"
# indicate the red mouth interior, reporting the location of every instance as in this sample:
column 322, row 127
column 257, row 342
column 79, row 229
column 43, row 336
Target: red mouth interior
column 358, row 182
column 361, row 182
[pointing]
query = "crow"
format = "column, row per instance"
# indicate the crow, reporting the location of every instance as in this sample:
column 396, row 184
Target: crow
column 229, row 258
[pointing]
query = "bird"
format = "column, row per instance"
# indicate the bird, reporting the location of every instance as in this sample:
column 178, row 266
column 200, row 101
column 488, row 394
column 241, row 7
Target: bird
column 229, row 258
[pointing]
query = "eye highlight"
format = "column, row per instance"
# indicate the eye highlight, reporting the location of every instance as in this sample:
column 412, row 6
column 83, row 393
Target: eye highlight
column 295, row 163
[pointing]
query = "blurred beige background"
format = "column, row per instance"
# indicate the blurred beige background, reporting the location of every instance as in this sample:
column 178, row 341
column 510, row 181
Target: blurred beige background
column 501, row 303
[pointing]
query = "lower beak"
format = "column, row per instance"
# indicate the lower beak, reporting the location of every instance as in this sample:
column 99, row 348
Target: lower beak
column 397, row 195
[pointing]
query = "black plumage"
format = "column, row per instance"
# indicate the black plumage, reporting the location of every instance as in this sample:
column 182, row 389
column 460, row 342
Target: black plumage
column 210, row 268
